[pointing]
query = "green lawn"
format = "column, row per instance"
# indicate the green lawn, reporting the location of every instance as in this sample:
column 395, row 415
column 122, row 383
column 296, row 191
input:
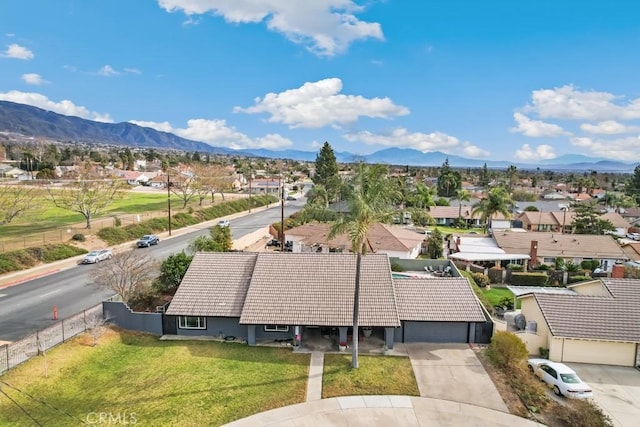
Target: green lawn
column 48, row 217
column 494, row 295
column 376, row 375
column 195, row 383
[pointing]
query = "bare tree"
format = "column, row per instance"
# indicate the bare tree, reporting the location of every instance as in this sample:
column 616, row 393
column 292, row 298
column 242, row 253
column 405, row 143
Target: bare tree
column 97, row 325
column 16, row 200
column 128, row 274
column 184, row 185
column 88, row 195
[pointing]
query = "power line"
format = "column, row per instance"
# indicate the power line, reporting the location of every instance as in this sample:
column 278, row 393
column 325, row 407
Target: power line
column 42, row 402
column 21, row 408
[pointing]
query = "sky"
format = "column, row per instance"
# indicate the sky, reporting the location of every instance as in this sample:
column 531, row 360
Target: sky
column 524, row 81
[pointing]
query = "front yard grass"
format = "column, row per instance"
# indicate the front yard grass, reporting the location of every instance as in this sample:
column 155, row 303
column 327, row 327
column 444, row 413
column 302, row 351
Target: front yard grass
column 376, row 375
column 177, row 383
column 495, row 295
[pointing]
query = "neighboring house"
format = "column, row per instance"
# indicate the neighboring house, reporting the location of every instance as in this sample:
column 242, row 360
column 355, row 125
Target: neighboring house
column 265, row 186
column 546, row 221
column 158, row 181
column 632, row 250
column 270, row 296
column 447, row 215
column 8, row 171
column 483, row 251
column 600, row 324
column 554, row 195
column 382, row 239
column 545, row 248
column 631, row 215
column 621, row 225
column 132, row 177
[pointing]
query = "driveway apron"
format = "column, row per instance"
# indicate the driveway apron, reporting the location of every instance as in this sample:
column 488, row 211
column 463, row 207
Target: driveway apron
column 453, row 372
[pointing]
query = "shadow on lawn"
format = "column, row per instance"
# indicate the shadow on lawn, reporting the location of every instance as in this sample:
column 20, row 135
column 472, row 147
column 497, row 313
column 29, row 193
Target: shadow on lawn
column 219, row 350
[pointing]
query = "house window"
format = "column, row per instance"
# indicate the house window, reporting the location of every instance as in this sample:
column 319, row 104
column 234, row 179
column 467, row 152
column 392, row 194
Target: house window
column 192, row 322
column 549, row 260
column 276, row 328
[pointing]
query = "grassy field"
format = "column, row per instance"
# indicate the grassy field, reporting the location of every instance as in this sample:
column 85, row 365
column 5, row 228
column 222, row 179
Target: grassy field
column 48, row 217
column 376, row 375
column 494, row 295
column 180, row 383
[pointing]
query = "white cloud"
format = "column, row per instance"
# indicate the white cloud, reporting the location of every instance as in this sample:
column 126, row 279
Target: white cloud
column 107, row 71
column 65, row 107
column 33, row 79
column 319, row 104
column 401, row 137
column 608, row 127
column 219, row 134
column 536, row 128
column 324, row 27
column 541, row 152
column 624, row 149
column 567, row 102
column 133, row 71
column 18, row 52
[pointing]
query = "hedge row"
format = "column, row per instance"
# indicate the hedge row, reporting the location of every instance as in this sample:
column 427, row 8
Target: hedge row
column 116, row 235
column 27, row 258
column 528, row 279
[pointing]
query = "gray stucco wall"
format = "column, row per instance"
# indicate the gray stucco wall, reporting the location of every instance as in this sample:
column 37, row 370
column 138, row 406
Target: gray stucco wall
column 262, row 335
column 121, row 315
column 218, row 326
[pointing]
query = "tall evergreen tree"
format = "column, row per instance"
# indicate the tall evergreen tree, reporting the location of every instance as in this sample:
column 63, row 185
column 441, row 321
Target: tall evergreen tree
column 327, row 171
column 632, row 187
column 448, row 181
column 587, row 221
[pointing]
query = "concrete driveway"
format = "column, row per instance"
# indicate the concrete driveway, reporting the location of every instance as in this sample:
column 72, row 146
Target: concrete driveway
column 616, row 389
column 453, row 372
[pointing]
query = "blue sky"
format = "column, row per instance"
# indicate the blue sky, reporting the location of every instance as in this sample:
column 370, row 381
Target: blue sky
column 500, row 80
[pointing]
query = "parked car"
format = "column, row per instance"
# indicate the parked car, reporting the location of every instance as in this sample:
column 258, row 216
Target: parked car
column 97, row 256
column 633, row 236
column 224, row 223
column 291, row 198
column 148, row 240
column 273, row 242
column 562, row 379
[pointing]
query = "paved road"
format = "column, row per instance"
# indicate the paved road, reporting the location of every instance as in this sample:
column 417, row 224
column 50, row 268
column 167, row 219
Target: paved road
column 28, row 307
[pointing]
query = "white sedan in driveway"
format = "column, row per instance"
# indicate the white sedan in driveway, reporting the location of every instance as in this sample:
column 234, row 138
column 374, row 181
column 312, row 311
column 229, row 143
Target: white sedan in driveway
column 562, row 379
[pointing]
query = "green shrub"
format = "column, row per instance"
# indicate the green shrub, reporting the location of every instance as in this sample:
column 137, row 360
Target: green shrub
column 495, row 275
column 515, row 267
column 396, row 267
column 583, row 413
column 481, row 296
column 480, row 279
column 117, row 222
column 506, row 302
column 53, row 253
column 543, row 267
column 506, row 350
column 113, row 235
column 78, row 237
column 590, row 264
column 27, row 258
column 528, row 279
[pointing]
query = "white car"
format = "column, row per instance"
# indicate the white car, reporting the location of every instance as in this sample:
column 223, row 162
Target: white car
column 97, row 256
column 224, row 223
column 562, row 379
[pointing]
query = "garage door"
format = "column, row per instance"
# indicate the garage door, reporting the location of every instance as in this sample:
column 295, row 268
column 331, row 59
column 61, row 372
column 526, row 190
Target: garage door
column 435, row 331
column 601, row 352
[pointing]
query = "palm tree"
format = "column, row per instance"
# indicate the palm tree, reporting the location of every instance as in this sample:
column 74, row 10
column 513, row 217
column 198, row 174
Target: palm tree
column 370, row 201
column 318, row 195
column 422, row 196
column 497, row 200
column 462, row 196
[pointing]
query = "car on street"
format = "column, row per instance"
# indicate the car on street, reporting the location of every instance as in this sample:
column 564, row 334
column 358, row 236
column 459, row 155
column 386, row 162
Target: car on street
column 291, row 198
column 148, row 240
column 633, row 236
column 224, row 223
column 273, row 242
column 97, row 256
column 562, row 379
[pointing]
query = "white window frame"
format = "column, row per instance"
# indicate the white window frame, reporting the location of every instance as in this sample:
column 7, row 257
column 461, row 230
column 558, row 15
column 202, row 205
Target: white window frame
column 184, row 324
column 276, row 328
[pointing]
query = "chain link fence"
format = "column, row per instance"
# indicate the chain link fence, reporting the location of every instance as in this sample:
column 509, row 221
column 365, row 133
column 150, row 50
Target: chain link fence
column 17, row 352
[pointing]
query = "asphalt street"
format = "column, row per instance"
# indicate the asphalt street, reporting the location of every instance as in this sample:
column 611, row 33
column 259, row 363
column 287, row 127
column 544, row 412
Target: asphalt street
column 28, row 307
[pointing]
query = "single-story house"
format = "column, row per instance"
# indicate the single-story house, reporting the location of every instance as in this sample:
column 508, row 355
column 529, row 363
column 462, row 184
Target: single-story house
column 447, row 215
column 392, row 240
column 599, row 324
column 269, row 296
column 483, row 251
column 265, row 186
column 545, row 248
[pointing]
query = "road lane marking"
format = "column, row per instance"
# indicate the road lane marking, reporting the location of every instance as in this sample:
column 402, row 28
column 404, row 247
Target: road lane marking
column 49, row 293
column 3, row 295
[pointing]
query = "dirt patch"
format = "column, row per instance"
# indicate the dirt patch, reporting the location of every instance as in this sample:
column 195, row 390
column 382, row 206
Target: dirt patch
column 91, row 242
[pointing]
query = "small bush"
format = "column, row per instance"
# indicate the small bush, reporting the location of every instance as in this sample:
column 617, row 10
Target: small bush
column 543, row 267
column 506, row 350
column 78, row 237
column 396, row 267
column 495, row 275
column 582, row 413
column 515, row 267
column 117, row 222
column 574, row 279
column 481, row 296
column 480, row 279
column 506, row 302
column 27, row 258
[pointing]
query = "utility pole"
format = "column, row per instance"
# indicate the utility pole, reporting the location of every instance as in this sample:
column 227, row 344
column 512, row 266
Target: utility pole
column 169, row 202
column 249, row 187
column 281, row 214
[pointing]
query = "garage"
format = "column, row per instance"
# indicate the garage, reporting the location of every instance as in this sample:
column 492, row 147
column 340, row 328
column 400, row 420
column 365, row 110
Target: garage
column 597, row 352
column 454, row 332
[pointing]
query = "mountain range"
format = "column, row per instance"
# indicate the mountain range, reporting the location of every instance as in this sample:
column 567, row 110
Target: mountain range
column 35, row 122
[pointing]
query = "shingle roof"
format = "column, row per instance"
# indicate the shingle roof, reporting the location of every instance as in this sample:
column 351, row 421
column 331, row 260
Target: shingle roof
column 381, row 237
column 561, row 245
column 591, row 317
column 215, row 285
column 318, row 289
column 441, row 300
